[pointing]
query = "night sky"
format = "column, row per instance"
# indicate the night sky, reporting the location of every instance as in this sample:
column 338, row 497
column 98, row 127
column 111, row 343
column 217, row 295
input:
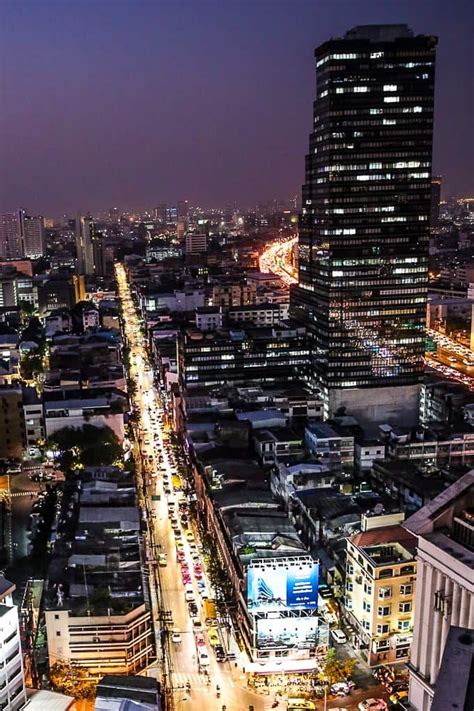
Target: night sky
column 133, row 103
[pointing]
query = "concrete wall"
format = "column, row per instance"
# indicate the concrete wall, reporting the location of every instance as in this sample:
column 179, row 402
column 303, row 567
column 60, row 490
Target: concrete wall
column 385, row 405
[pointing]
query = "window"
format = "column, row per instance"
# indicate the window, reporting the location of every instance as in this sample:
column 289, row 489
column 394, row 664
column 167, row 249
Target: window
column 404, row 625
column 58, row 634
column 383, row 644
column 349, row 586
column 390, row 87
column 367, row 589
column 384, row 593
column 383, row 629
column 406, row 589
column 383, row 611
column 366, row 606
column 404, row 607
column 56, row 617
column 366, row 624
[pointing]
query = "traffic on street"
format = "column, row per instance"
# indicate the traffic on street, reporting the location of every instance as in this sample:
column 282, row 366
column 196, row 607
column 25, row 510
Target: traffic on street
column 198, row 665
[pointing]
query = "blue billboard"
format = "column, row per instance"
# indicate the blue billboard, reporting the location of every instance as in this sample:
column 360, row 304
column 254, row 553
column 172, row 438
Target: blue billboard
column 272, row 587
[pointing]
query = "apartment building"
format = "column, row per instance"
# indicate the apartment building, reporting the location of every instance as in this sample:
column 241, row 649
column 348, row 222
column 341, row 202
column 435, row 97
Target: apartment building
column 98, row 410
column 12, row 423
column 444, row 530
column 12, row 682
column 97, row 613
column 330, row 445
column 379, row 598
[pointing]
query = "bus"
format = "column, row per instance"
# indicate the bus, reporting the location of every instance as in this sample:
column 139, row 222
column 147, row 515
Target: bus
column 300, row 705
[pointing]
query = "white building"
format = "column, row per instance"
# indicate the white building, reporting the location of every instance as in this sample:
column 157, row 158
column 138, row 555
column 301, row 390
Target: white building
column 12, row 682
column 208, row 318
column 445, row 581
column 33, row 414
column 100, row 411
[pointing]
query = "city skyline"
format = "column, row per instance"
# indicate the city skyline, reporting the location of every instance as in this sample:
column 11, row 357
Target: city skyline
column 109, row 108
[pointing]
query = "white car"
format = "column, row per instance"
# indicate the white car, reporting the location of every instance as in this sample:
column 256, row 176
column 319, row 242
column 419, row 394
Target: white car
column 372, row 705
column 203, row 658
column 339, row 636
column 176, row 637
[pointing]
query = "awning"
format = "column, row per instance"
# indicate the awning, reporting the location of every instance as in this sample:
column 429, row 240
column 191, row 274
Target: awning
column 278, row 666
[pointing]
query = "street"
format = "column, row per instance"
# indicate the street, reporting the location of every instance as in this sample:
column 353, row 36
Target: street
column 187, row 660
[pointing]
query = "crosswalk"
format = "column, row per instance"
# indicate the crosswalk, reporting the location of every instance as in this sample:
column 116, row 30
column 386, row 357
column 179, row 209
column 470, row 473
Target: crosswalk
column 197, row 681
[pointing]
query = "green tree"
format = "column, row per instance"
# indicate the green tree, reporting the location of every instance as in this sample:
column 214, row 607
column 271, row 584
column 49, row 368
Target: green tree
column 87, row 446
column 72, row 680
column 335, row 669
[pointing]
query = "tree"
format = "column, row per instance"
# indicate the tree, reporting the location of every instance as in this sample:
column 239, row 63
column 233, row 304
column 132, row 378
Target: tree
column 87, row 445
column 72, row 680
column 335, row 669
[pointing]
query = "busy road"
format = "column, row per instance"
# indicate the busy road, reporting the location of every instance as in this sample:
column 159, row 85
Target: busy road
column 197, row 665
column 277, row 259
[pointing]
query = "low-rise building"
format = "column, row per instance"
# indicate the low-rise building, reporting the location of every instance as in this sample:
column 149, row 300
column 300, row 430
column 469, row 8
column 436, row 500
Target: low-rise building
column 91, row 408
column 97, row 614
column 331, row 446
column 379, row 599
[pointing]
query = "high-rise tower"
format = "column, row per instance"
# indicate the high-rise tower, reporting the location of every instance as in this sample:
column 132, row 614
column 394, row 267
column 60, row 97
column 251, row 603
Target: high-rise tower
column 84, row 227
column 364, row 227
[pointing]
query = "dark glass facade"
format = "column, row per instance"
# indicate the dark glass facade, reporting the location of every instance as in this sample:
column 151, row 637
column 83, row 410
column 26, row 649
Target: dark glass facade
column 364, row 227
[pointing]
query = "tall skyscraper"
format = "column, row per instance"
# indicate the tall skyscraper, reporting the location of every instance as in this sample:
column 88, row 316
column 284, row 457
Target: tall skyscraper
column 435, row 199
column 84, row 227
column 364, row 227
column 12, row 245
column 34, row 240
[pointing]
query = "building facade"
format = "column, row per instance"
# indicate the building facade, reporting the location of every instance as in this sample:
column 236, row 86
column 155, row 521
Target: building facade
column 12, row 245
column 12, row 682
column 34, row 239
column 364, row 227
column 445, row 582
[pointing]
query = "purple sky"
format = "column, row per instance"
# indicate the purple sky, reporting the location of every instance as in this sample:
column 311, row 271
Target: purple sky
column 131, row 102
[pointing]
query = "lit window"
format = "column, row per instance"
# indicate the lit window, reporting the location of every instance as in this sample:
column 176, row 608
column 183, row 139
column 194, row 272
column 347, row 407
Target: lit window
column 361, row 89
column 391, row 99
column 390, row 87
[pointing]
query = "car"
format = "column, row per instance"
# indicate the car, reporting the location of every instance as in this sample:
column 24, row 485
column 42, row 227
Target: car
column 213, row 637
column 192, row 547
column 372, row 705
column 178, row 535
column 179, row 545
column 162, row 560
column 189, row 595
column 452, row 359
column 180, row 555
column 338, row 636
column 190, row 536
column 186, row 578
column 176, row 637
column 400, row 695
column 219, row 652
column 199, row 639
column 203, row 658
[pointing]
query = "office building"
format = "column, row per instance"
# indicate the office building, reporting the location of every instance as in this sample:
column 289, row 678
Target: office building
column 196, row 242
column 435, row 199
column 265, row 355
column 34, row 239
column 445, row 582
column 182, row 210
column 12, row 244
column 364, row 227
column 84, row 229
column 12, row 682
column 160, row 214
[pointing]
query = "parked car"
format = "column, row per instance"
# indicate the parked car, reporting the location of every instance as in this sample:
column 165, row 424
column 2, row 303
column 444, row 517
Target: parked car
column 338, row 636
column 373, row 705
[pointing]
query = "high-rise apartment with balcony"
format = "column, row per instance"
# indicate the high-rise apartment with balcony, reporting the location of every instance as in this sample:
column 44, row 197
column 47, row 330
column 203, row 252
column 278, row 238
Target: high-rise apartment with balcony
column 364, row 227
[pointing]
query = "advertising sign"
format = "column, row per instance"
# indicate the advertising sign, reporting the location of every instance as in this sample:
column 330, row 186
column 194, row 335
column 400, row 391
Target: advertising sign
column 272, row 587
column 287, row 632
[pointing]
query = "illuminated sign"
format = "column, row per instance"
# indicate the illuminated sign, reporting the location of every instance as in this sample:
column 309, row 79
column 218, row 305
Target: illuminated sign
column 272, row 586
column 291, row 632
